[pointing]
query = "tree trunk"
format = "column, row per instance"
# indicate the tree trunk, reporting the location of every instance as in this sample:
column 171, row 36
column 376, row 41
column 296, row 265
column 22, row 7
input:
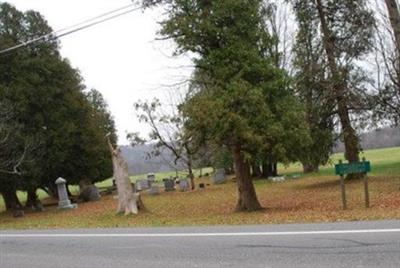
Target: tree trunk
column 394, row 18
column 52, row 190
column 11, row 200
column 127, row 200
column 275, row 169
column 247, row 195
column 32, row 201
column 340, row 90
column 191, row 175
column 256, row 170
column 267, row 169
column 309, row 168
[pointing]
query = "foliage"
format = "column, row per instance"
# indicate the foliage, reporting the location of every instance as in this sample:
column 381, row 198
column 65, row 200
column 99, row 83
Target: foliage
column 312, row 85
column 386, row 101
column 345, row 29
column 241, row 99
column 50, row 107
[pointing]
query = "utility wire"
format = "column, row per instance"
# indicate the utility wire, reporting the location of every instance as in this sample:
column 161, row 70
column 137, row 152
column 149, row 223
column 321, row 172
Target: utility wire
column 95, row 23
column 95, row 18
column 61, row 33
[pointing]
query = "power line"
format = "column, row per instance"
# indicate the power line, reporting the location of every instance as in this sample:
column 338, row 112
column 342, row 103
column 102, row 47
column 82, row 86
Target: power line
column 95, row 23
column 95, row 18
column 61, row 33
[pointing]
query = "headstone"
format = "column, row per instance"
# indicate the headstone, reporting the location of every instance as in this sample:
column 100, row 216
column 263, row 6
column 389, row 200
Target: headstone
column 183, row 185
column 39, row 206
column 169, row 185
column 142, row 185
column 219, row 176
column 138, row 185
column 63, row 202
column 90, row 193
column 151, row 177
column 277, row 179
column 18, row 213
column 154, row 190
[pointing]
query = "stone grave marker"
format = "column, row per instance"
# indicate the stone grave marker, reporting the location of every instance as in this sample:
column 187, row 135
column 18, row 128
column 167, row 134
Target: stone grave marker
column 154, row 190
column 63, row 202
column 142, row 185
column 277, row 179
column 151, row 177
column 90, row 193
column 183, row 185
column 169, row 185
column 219, row 176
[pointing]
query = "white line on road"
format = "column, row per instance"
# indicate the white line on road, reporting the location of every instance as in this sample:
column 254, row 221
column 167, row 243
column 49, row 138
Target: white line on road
column 72, row 235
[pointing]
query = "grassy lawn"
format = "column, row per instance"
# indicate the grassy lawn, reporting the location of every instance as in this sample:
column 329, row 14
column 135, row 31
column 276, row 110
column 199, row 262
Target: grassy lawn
column 313, row 198
column 384, row 162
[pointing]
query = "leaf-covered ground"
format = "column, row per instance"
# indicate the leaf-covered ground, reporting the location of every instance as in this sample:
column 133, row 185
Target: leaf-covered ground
column 308, row 199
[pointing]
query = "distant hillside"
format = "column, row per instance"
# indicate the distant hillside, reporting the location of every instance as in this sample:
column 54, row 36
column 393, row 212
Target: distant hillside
column 139, row 161
column 379, row 138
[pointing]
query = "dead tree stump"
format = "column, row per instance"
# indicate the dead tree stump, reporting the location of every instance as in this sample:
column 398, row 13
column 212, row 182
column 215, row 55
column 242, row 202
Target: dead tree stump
column 128, row 201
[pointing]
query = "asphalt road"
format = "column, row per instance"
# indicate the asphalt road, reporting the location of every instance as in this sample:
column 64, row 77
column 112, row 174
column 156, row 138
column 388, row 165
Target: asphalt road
column 354, row 244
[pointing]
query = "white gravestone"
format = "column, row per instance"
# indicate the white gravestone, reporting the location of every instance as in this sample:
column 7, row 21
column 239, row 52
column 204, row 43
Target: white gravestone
column 183, row 185
column 63, row 202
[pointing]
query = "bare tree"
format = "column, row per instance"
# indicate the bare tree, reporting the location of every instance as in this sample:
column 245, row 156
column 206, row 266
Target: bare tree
column 16, row 151
column 168, row 131
column 128, row 202
column 281, row 23
column 14, row 148
column 387, row 61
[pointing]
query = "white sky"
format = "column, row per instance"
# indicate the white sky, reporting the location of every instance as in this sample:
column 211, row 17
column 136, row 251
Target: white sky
column 120, row 58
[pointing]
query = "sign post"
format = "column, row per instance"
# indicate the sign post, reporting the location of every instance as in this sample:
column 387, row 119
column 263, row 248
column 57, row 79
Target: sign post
column 342, row 169
column 366, row 187
column 343, row 189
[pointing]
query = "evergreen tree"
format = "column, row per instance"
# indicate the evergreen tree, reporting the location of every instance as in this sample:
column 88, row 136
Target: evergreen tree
column 49, row 108
column 245, row 103
column 311, row 84
column 346, row 30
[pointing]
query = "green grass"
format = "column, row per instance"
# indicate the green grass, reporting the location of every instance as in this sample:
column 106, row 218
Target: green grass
column 385, row 162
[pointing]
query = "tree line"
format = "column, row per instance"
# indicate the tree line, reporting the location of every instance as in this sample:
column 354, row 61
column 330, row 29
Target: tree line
column 257, row 96
column 260, row 98
column 50, row 125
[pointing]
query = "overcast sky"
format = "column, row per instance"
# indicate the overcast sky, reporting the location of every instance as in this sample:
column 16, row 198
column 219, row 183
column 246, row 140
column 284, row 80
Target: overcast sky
column 120, row 58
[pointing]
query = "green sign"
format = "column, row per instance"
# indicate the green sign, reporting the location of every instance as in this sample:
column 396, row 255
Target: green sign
column 351, row 168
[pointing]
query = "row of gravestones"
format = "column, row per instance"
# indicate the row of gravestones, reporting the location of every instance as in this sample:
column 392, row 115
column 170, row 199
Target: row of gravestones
column 169, row 185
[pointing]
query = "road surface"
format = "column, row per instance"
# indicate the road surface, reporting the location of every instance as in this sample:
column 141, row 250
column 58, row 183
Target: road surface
column 354, row 244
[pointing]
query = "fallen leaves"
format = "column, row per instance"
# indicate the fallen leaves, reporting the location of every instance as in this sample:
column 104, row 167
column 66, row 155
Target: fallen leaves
column 312, row 199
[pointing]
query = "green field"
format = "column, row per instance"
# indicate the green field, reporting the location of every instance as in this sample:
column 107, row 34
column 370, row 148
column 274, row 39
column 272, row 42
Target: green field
column 385, row 162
